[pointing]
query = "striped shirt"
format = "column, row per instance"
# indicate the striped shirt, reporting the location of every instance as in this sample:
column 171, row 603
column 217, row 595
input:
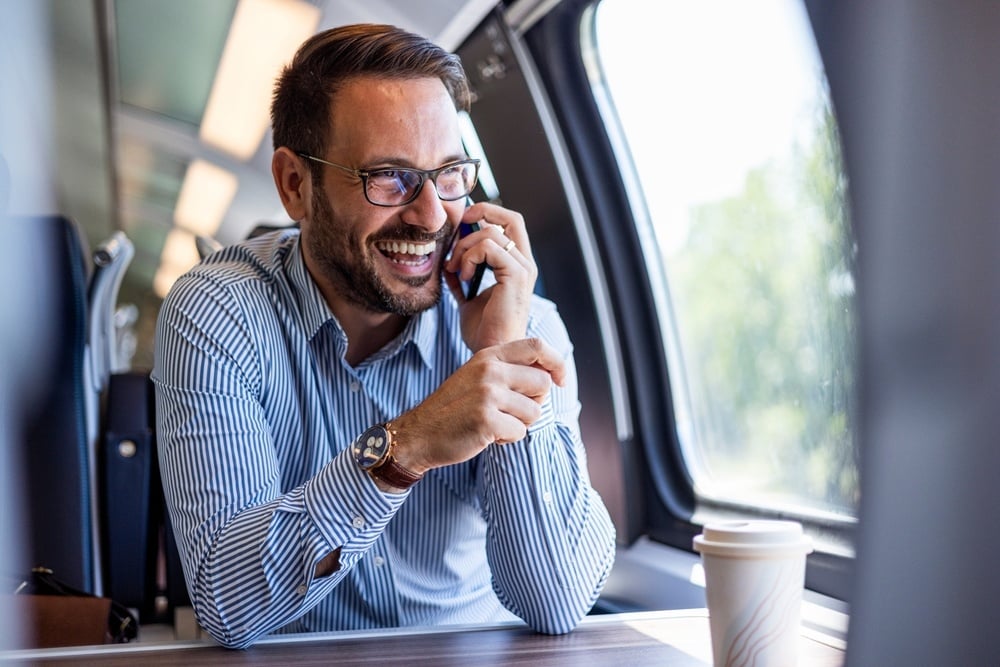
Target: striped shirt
column 256, row 409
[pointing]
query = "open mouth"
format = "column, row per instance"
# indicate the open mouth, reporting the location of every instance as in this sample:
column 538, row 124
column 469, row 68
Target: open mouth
column 406, row 253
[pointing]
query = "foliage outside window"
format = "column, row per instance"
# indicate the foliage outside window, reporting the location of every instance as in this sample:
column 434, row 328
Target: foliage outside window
column 725, row 115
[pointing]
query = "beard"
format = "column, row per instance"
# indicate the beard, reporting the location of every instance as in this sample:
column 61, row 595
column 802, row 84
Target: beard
column 347, row 262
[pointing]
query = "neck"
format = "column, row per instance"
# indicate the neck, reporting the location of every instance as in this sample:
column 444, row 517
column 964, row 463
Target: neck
column 367, row 332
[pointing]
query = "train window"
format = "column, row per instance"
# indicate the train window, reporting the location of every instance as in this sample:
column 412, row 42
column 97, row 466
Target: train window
column 723, row 118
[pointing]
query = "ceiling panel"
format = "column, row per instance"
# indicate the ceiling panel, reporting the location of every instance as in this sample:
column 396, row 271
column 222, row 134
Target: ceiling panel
column 168, row 53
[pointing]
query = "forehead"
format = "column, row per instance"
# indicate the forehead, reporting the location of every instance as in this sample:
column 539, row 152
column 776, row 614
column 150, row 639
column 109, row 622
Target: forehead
column 413, row 120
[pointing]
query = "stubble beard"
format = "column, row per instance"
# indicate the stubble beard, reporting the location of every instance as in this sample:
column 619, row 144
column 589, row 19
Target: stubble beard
column 347, row 263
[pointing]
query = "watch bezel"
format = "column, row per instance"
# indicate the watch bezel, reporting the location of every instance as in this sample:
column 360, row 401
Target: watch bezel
column 380, row 449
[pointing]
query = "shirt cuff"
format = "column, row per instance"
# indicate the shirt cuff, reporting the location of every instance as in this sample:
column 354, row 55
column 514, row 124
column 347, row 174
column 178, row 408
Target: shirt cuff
column 346, row 506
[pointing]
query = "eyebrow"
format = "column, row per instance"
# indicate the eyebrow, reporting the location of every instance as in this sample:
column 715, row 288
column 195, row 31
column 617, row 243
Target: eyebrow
column 389, row 162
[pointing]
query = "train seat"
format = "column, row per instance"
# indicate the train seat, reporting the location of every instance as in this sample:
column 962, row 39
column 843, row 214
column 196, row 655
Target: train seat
column 93, row 503
column 59, row 515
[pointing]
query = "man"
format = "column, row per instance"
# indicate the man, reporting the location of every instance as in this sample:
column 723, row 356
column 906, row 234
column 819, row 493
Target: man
column 343, row 442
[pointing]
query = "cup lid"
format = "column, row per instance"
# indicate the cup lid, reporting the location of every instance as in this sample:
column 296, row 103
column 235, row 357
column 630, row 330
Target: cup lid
column 752, row 536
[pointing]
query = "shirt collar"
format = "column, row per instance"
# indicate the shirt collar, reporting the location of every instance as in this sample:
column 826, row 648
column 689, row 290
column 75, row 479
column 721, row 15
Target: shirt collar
column 420, row 332
column 425, row 327
column 312, row 306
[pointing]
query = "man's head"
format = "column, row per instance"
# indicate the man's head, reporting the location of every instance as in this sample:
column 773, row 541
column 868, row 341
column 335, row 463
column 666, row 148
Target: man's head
column 369, row 98
column 300, row 108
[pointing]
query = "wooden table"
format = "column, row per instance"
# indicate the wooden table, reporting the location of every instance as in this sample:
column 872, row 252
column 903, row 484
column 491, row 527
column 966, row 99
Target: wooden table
column 663, row 638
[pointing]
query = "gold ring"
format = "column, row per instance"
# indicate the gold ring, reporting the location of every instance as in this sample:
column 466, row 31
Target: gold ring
column 510, row 245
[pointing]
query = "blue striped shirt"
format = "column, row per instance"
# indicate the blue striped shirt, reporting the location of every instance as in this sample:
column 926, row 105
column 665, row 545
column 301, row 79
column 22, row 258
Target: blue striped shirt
column 256, row 409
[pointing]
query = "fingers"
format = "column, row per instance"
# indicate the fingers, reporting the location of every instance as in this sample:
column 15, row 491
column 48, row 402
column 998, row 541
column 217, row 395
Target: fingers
column 510, row 412
column 512, row 404
column 491, row 246
column 510, row 223
column 515, row 378
column 531, row 367
column 534, row 353
column 492, row 398
column 502, row 241
column 500, row 312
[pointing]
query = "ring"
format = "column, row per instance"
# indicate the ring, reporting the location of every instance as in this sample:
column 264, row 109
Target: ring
column 510, row 245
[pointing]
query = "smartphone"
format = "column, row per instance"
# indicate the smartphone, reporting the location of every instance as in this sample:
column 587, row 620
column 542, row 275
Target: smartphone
column 471, row 287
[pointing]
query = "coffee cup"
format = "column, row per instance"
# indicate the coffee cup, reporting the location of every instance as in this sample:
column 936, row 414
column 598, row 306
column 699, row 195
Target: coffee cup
column 754, row 577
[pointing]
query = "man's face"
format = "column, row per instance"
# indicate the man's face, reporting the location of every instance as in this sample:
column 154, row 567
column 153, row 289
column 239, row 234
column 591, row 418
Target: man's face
column 384, row 259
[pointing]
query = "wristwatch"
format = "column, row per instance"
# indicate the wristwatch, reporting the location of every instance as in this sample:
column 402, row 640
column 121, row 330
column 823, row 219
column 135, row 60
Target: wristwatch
column 373, row 451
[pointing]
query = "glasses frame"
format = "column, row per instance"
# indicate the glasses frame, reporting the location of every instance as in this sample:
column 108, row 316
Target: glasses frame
column 424, row 175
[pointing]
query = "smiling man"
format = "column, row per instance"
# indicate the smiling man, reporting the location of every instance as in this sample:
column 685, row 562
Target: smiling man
column 345, row 440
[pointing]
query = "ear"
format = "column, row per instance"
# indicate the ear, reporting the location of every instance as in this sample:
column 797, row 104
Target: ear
column 292, row 178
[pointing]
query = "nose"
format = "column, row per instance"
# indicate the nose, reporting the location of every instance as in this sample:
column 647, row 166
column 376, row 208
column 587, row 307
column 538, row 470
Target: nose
column 427, row 211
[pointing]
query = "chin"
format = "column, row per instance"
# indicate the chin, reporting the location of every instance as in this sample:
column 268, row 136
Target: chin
column 412, row 300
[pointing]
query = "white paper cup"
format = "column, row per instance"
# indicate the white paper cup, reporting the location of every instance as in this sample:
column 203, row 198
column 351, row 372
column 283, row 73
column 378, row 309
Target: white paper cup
column 754, row 576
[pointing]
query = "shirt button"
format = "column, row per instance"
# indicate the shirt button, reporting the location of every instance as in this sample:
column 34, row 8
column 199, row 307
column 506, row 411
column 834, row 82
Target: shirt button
column 301, row 590
column 358, row 522
column 355, row 386
column 547, row 497
column 379, row 561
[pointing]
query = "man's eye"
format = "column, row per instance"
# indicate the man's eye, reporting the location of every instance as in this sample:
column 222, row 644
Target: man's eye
column 385, row 174
column 396, row 178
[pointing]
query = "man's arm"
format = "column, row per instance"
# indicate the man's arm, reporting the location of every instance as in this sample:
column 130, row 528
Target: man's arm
column 550, row 541
column 250, row 550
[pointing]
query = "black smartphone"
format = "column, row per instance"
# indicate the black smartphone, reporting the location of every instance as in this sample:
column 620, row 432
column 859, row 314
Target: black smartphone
column 471, row 288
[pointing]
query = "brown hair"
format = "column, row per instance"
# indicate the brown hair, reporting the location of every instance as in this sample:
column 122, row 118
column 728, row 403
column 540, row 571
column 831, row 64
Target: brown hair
column 300, row 108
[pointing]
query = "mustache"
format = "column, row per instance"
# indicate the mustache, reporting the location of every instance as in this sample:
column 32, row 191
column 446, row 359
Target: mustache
column 411, row 235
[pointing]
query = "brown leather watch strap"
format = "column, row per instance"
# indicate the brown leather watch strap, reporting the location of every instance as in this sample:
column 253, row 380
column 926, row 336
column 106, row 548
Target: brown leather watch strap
column 395, row 475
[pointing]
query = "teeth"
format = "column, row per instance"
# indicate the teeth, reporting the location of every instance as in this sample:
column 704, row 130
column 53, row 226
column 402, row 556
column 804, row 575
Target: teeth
column 407, row 248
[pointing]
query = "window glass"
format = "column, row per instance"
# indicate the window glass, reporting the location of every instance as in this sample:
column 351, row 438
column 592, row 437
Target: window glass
column 722, row 114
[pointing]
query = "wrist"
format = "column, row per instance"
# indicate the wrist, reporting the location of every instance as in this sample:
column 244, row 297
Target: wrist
column 375, row 452
column 408, row 450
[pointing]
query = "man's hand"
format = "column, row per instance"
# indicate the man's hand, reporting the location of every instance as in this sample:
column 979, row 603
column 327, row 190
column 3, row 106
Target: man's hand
column 500, row 313
column 493, row 397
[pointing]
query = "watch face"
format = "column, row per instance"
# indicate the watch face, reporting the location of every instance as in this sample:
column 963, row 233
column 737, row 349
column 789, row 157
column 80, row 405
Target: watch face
column 371, row 447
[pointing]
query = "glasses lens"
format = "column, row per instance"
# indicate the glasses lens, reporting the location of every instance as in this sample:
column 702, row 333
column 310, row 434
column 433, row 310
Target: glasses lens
column 456, row 181
column 392, row 187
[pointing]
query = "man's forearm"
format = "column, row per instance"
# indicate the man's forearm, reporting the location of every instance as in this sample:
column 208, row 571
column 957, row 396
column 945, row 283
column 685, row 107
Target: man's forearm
column 551, row 540
column 272, row 562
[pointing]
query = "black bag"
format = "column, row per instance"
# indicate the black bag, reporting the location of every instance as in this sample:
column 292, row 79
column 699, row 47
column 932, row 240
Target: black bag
column 122, row 624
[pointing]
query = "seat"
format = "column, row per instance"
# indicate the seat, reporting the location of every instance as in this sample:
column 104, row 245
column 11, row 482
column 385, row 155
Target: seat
column 206, row 245
column 131, row 496
column 93, row 501
column 62, row 487
column 58, row 488
column 110, row 261
column 268, row 227
column 133, row 528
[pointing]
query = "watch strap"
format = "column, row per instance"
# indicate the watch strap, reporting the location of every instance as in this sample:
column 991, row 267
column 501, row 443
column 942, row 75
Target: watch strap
column 389, row 471
column 395, row 475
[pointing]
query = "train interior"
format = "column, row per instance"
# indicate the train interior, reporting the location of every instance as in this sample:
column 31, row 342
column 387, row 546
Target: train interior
column 856, row 269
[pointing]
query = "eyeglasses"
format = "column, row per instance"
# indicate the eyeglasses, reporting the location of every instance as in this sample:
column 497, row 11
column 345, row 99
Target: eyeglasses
column 398, row 186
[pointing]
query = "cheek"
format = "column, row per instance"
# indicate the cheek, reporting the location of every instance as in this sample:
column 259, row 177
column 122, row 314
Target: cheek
column 347, row 220
column 372, row 224
column 455, row 210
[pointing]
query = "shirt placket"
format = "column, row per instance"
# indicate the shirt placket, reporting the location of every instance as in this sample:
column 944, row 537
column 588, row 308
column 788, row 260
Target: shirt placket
column 379, row 590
